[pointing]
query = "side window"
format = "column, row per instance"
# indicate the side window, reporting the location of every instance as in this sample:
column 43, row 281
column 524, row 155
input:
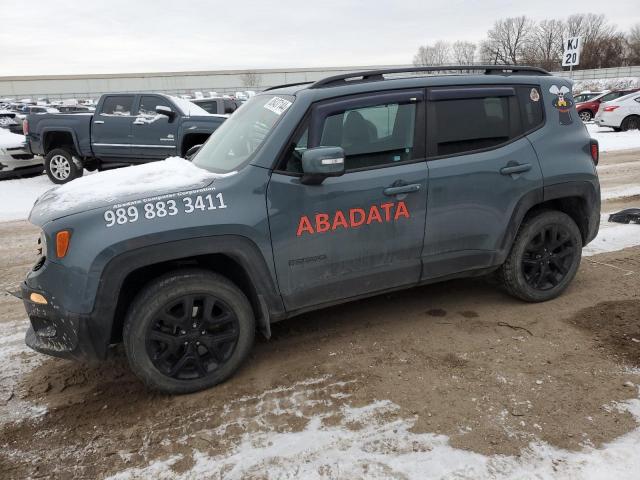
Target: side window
column 148, row 104
column 293, row 157
column 466, row 124
column 117, row 105
column 530, row 100
column 372, row 136
column 210, row 107
column 229, row 106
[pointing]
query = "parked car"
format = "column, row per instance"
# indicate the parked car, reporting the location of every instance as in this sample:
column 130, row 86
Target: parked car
column 620, row 114
column 219, row 105
column 584, row 96
column 9, row 121
column 587, row 110
column 125, row 129
column 314, row 195
column 15, row 159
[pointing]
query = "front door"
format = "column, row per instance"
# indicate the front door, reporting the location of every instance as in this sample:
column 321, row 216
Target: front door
column 153, row 135
column 481, row 164
column 111, row 127
column 362, row 232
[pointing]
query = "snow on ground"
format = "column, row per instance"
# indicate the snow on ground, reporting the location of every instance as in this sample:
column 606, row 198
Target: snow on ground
column 17, row 196
column 16, row 360
column 10, row 140
column 613, row 237
column 374, row 442
column 610, row 140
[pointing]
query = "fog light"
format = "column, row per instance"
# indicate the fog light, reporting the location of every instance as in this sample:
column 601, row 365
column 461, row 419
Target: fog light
column 37, row 298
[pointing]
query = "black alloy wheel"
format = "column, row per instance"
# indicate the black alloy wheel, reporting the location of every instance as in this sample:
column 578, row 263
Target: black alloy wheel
column 548, row 257
column 192, row 336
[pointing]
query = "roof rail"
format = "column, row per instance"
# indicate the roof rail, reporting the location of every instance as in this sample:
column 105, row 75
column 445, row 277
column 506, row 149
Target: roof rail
column 376, row 75
column 286, row 85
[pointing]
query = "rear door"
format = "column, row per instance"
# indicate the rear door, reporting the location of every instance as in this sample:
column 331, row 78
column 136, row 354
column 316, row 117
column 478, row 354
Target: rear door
column 152, row 135
column 111, row 127
column 480, row 166
column 361, row 232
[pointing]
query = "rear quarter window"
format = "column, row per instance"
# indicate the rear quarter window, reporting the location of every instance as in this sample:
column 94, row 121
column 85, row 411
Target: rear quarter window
column 531, row 108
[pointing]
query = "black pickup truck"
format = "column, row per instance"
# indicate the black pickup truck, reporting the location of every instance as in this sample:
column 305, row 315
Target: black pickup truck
column 125, row 129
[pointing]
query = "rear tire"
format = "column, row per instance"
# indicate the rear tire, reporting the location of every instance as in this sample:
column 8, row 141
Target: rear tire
column 187, row 331
column 61, row 167
column 544, row 257
column 632, row 122
column 585, row 116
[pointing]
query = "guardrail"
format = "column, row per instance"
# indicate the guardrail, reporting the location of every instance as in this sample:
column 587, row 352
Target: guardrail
column 600, row 73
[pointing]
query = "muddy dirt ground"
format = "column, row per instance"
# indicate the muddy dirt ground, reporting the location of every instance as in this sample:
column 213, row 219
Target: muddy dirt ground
column 461, row 357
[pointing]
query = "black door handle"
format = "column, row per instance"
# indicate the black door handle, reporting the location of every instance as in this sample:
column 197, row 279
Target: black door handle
column 390, row 191
column 515, row 168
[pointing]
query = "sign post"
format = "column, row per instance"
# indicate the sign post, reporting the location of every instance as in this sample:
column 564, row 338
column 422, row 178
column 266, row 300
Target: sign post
column 571, row 55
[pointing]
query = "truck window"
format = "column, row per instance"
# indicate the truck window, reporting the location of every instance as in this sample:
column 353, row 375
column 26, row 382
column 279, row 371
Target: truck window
column 229, row 106
column 117, row 105
column 210, row 106
column 148, row 104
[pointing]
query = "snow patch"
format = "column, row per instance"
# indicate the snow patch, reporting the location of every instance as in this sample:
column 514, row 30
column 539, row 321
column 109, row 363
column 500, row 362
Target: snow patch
column 610, row 141
column 381, row 447
column 113, row 186
column 10, row 140
column 16, row 360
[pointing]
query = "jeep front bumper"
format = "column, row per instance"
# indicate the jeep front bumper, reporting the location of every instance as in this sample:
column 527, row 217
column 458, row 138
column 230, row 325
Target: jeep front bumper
column 55, row 331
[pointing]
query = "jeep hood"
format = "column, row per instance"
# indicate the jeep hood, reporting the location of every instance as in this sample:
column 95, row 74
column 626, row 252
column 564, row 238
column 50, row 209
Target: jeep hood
column 119, row 186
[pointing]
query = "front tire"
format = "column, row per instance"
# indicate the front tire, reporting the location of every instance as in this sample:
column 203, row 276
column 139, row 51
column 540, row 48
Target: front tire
column 61, row 167
column 544, row 258
column 188, row 331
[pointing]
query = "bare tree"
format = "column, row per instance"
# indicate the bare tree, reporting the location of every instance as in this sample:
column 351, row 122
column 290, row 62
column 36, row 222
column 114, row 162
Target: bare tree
column 250, row 79
column 633, row 45
column 507, row 41
column 464, row 52
column 546, row 44
column 436, row 54
column 602, row 44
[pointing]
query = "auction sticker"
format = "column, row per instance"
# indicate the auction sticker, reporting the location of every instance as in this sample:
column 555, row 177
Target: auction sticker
column 277, row 105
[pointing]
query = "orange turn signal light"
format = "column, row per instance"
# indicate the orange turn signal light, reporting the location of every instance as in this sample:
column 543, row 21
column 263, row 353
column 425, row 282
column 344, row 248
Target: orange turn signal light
column 37, row 298
column 62, row 242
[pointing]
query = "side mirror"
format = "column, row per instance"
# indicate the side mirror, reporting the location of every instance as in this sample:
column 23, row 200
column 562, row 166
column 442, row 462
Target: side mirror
column 166, row 111
column 320, row 163
column 192, row 151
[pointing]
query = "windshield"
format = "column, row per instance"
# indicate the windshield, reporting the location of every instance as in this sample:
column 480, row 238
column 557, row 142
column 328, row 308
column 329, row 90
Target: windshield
column 235, row 142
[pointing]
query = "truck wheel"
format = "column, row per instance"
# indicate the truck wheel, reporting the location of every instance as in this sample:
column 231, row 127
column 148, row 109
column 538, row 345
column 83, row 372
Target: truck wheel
column 544, row 258
column 187, row 331
column 61, row 167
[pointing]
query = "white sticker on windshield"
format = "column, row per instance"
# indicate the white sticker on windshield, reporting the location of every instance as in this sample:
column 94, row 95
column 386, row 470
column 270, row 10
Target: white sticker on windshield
column 277, row 105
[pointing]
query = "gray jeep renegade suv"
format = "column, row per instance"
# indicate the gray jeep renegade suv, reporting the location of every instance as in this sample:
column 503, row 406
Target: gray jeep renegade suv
column 311, row 195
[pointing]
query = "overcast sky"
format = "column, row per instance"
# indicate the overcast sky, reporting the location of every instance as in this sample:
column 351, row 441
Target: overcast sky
column 113, row 36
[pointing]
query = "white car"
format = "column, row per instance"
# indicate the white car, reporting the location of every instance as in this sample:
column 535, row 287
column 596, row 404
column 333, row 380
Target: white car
column 15, row 158
column 620, row 114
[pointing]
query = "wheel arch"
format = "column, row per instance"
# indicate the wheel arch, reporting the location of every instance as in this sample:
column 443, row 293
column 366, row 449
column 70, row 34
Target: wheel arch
column 235, row 257
column 579, row 200
column 59, row 138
